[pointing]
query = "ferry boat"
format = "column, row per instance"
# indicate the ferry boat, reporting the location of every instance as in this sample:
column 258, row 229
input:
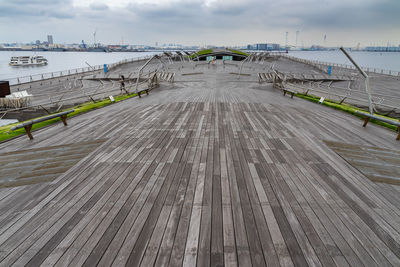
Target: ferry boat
column 28, row 61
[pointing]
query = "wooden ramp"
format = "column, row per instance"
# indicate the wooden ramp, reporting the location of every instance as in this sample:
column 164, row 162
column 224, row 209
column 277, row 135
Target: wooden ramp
column 378, row 164
column 43, row 164
column 211, row 173
column 204, row 184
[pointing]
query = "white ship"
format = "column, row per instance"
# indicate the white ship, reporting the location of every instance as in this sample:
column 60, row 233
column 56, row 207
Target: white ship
column 28, row 61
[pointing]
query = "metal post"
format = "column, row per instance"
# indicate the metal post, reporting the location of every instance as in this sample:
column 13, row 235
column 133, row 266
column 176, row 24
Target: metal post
column 241, row 65
column 89, row 65
column 142, row 67
column 367, row 87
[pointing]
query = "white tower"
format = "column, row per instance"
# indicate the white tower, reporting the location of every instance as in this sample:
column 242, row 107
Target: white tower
column 286, row 42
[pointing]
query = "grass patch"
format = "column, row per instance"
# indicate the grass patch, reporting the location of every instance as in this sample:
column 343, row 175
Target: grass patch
column 201, row 52
column 6, row 133
column 349, row 109
column 239, row 52
column 209, row 51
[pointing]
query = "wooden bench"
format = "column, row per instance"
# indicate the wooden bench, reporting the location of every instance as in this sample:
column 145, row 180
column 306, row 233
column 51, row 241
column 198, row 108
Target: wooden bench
column 143, row 91
column 28, row 124
column 288, row 91
column 368, row 116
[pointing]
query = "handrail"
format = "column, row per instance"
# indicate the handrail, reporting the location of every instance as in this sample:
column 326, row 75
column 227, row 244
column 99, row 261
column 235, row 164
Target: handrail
column 347, row 96
column 344, row 66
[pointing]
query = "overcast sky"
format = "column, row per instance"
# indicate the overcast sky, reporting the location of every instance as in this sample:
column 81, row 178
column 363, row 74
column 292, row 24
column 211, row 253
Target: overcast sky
column 202, row 22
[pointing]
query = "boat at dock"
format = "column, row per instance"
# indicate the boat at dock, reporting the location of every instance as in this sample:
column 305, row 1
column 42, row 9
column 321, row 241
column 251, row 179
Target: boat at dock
column 28, row 61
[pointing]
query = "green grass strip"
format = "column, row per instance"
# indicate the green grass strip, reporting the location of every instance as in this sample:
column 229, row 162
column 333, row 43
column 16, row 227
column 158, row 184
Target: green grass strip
column 239, row 52
column 209, row 51
column 200, row 53
column 349, row 109
column 6, row 133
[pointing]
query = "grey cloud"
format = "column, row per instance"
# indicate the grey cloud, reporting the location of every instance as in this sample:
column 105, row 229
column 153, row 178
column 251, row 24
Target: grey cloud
column 191, row 18
column 174, row 9
column 230, row 8
column 339, row 14
column 98, row 6
column 37, row 8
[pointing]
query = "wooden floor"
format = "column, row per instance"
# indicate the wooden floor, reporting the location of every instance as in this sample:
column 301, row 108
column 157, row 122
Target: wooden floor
column 209, row 171
column 42, row 164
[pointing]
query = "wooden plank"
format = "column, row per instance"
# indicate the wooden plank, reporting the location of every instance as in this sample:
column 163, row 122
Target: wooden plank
column 48, row 244
column 204, row 247
column 192, row 243
column 217, row 244
column 318, row 206
column 256, row 253
column 154, row 243
column 265, row 238
column 178, row 250
column 242, row 246
column 111, row 242
column 139, row 248
column 83, row 196
column 19, row 237
column 379, row 229
column 326, row 257
column 129, row 196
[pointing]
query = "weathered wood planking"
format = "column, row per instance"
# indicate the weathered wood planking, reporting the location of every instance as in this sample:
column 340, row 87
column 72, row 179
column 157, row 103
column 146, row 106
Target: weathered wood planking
column 208, row 173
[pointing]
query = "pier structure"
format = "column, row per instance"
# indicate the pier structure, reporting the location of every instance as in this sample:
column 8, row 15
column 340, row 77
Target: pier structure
column 343, row 83
column 214, row 169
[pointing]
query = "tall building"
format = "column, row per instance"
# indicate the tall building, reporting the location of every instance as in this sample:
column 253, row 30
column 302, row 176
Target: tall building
column 50, row 39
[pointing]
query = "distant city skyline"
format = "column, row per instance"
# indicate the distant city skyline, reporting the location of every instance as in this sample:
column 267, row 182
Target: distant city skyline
column 203, row 22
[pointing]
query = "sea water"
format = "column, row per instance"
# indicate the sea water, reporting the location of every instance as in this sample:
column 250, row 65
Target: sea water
column 59, row 61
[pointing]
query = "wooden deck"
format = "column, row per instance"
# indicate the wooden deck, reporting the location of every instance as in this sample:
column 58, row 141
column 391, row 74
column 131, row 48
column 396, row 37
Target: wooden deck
column 210, row 171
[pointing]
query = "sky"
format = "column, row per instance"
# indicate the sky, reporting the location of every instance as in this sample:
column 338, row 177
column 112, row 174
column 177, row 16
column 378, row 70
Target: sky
column 203, row 22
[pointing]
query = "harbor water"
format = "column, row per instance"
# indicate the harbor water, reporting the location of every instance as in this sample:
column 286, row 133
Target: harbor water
column 59, row 61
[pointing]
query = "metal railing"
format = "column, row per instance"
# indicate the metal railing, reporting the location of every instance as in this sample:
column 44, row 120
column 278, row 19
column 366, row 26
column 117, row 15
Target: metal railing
column 384, row 103
column 317, row 63
column 387, row 105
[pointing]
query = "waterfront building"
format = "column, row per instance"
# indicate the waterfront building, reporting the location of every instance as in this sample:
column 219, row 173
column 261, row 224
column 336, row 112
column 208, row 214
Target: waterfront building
column 264, row 46
column 50, row 39
column 382, row 48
